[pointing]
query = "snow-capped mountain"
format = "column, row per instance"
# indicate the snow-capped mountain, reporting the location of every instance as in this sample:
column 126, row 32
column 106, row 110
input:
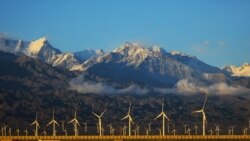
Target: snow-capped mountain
column 43, row 50
column 12, row 45
column 86, row 54
column 243, row 70
column 133, row 62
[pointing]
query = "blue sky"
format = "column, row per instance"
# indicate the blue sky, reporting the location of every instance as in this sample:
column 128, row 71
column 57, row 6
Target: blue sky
column 216, row 31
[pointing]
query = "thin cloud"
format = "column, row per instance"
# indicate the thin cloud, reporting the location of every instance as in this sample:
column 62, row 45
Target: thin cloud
column 186, row 86
column 82, row 86
column 208, row 47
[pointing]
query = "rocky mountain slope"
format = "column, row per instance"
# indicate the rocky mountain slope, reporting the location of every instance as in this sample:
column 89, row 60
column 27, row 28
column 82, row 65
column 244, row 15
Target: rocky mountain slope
column 151, row 66
column 243, row 70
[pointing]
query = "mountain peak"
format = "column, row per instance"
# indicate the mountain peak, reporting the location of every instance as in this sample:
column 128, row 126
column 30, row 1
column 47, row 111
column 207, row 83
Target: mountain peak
column 179, row 53
column 35, row 46
column 135, row 49
column 243, row 70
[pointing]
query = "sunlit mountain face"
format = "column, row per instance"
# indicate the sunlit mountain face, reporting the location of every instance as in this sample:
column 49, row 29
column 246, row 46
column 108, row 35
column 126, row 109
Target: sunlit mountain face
column 36, row 77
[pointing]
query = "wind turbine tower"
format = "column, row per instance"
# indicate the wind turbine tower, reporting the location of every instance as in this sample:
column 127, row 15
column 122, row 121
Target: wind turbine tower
column 36, row 125
column 99, row 121
column 163, row 118
column 204, row 119
column 75, row 123
column 54, row 123
column 130, row 120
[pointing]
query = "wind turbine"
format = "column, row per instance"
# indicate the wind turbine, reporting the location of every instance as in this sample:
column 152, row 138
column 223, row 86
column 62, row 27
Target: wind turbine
column 168, row 128
column 217, row 130
column 99, row 121
column 10, row 131
column 44, row 132
column 196, row 129
column 5, row 130
column 204, row 119
column 113, row 131
column 54, row 123
column 211, row 131
column 147, row 131
column 138, row 130
column 231, row 130
column 62, row 123
column 149, row 126
column 125, row 130
column 188, row 131
column 85, row 126
column 163, row 118
column 185, row 128
column 75, row 123
column 2, row 131
column 65, row 132
column 110, row 128
column 26, row 132
column 17, row 131
column 36, row 125
column 245, row 131
column 130, row 120
column 159, row 131
column 174, row 131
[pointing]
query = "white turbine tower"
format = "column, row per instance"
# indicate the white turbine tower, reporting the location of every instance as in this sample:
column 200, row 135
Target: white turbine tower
column 75, row 123
column 204, row 119
column 163, row 118
column 130, row 120
column 54, row 123
column 36, row 125
column 99, row 121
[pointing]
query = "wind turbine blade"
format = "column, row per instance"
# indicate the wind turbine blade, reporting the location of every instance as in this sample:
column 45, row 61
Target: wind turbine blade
column 102, row 113
column 77, row 122
column 162, row 105
column 72, row 120
column 125, row 117
column 158, row 116
column 131, row 119
column 166, row 117
column 38, row 124
column 57, row 123
column 95, row 114
column 204, row 103
column 75, row 112
column 129, row 108
column 33, row 123
column 198, row 111
column 53, row 116
column 50, row 123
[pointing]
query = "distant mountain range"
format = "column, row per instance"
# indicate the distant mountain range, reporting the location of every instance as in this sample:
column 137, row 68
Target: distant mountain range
column 130, row 65
column 133, row 53
column 44, row 51
column 35, row 77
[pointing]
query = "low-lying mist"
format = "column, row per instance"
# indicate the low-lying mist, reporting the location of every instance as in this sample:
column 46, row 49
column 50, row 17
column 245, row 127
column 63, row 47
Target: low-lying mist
column 183, row 87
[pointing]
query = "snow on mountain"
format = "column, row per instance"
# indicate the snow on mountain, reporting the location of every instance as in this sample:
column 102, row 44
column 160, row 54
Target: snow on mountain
column 133, row 62
column 87, row 54
column 66, row 60
column 43, row 50
column 243, row 70
column 178, row 53
column 11, row 45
